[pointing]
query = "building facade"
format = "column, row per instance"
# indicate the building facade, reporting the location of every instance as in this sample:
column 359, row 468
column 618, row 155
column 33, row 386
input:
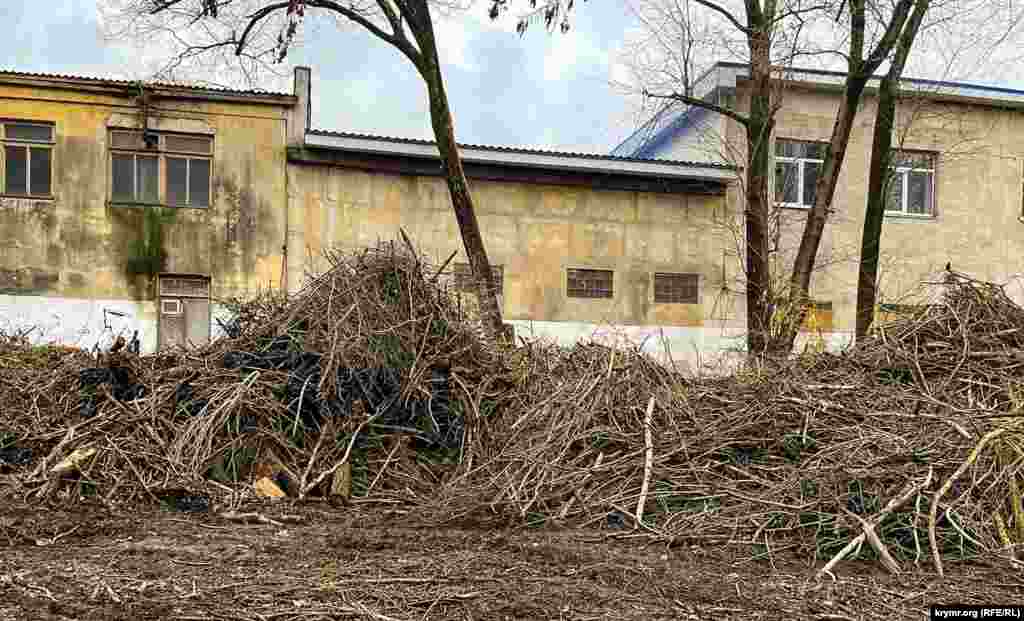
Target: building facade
column 955, row 194
column 137, row 207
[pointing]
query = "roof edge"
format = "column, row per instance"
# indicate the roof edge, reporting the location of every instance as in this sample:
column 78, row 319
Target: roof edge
column 519, row 156
column 118, row 87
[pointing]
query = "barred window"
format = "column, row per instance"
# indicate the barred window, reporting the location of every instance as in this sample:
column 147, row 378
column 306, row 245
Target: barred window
column 465, row 283
column 676, row 288
column 586, row 283
column 27, row 158
column 160, row 168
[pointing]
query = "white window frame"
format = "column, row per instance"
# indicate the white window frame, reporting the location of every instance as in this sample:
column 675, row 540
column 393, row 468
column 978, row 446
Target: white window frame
column 903, row 173
column 170, row 306
column 162, row 153
column 26, row 145
column 800, row 165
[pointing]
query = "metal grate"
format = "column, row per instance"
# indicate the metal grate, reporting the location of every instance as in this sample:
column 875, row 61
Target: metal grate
column 464, row 278
column 676, row 288
column 185, row 286
column 584, row 283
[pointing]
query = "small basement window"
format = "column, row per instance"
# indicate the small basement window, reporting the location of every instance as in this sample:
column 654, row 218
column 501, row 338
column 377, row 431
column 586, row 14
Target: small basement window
column 464, row 283
column 27, row 158
column 676, row 288
column 587, row 283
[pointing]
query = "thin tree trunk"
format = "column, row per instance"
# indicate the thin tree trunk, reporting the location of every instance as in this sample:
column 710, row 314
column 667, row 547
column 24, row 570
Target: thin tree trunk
column 759, row 131
column 874, row 213
column 455, row 176
column 881, row 156
column 859, row 72
column 824, row 193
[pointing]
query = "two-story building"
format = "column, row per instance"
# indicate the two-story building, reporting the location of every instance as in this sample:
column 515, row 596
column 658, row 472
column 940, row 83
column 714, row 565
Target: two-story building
column 955, row 195
column 136, row 207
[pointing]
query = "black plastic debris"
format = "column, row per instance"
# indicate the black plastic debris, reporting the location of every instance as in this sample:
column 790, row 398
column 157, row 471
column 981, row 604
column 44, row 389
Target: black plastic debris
column 185, row 401
column 431, row 418
column 616, row 520
column 186, row 502
column 122, row 385
column 14, row 457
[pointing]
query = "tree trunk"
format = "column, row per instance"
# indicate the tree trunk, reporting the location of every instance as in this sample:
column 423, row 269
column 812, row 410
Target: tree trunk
column 759, row 131
column 455, row 176
column 874, row 213
column 878, row 174
column 824, row 193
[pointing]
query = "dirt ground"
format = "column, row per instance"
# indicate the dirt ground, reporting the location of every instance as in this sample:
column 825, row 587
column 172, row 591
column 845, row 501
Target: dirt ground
column 94, row 562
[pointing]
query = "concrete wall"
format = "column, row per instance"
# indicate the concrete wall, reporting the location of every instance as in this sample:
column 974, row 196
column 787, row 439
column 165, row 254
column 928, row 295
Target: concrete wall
column 69, row 255
column 536, row 232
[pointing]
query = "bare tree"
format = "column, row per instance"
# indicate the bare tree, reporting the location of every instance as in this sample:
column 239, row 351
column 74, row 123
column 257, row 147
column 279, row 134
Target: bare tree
column 260, row 32
column 776, row 307
column 768, row 35
column 878, row 172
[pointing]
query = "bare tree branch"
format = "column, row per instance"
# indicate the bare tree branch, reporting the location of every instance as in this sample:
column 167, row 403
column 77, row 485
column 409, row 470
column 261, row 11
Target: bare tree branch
column 700, row 103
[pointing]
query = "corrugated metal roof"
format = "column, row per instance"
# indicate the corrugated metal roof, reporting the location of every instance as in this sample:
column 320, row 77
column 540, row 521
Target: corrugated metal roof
column 156, row 83
column 528, row 151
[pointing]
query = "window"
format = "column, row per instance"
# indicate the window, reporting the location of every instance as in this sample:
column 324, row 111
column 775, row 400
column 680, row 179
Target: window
column 676, row 288
column 797, row 166
column 911, row 184
column 583, row 283
column 464, row 278
column 167, row 169
column 27, row 158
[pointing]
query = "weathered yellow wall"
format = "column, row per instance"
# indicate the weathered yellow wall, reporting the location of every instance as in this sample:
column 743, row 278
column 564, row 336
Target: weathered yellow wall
column 978, row 198
column 535, row 231
column 77, row 244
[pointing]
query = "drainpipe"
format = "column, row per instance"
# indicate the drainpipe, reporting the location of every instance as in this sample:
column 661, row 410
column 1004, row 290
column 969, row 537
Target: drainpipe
column 297, row 124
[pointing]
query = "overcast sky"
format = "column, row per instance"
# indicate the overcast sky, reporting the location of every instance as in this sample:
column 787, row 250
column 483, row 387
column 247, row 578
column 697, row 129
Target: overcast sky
column 545, row 90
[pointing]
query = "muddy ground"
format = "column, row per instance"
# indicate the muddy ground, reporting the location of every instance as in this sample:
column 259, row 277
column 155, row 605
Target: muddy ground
column 95, row 562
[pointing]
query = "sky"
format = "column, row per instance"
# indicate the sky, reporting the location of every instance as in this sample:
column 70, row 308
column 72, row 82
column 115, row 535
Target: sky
column 541, row 90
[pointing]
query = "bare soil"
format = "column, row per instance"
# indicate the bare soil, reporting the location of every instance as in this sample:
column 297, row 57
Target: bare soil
column 94, row 562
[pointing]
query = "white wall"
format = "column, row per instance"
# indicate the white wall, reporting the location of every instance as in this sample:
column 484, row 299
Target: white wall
column 706, row 349
column 78, row 321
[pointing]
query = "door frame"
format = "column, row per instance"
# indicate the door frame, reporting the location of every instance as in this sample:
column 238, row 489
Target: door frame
column 159, row 301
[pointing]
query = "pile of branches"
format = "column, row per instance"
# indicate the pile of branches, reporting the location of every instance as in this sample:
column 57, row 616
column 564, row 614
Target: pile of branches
column 908, row 441
column 914, row 432
column 373, row 364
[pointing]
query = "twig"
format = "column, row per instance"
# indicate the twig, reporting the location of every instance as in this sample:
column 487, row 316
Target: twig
column 937, row 498
column 234, row 516
column 344, row 458
column 648, row 460
column 893, row 504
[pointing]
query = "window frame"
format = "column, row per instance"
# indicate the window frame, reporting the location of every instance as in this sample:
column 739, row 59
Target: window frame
column 672, row 276
column 27, row 145
column 593, row 270
column 903, row 173
column 800, row 163
column 162, row 154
